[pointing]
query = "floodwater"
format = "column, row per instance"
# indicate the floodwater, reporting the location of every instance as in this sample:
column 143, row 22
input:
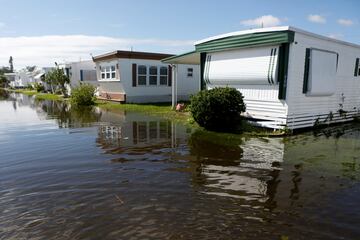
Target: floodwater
column 92, row 174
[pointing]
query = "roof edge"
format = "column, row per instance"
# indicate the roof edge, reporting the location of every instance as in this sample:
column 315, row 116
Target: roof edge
column 132, row 54
column 276, row 29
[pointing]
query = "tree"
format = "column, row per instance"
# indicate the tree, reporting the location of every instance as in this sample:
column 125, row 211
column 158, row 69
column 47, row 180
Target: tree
column 57, row 78
column 11, row 64
column 3, row 80
column 30, row 68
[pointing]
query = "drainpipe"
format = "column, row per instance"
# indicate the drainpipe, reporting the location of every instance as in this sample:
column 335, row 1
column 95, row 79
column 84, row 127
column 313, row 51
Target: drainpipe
column 174, row 86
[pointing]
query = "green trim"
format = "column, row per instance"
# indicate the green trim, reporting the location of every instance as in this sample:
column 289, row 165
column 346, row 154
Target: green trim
column 202, row 70
column 246, row 40
column 356, row 72
column 284, row 51
column 306, row 70
column 177, row 56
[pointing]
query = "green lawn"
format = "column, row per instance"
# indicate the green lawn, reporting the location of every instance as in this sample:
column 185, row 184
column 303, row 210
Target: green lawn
column 159, row 109
column 49, row 96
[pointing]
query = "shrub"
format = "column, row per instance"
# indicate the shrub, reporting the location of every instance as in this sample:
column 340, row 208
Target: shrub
column 39, row 87
column 218, row 109
column 83, row 95
column 29, row 86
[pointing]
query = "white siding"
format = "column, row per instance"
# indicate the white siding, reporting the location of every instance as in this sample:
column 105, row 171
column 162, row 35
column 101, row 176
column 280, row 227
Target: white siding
column 304, row 110
column 160, row 93
column 247, row 70
column 187, row 86
column 262, row 103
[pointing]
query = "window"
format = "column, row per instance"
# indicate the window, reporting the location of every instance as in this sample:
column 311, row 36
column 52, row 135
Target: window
column 153, row 71
column 142, row 73
column 112, row 71
column 190, row 72
column 108, row 72
column 163, row 76
column 320, row 72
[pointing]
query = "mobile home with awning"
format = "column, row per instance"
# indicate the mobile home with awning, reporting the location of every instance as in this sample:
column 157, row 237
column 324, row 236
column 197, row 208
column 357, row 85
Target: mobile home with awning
column 290, row 78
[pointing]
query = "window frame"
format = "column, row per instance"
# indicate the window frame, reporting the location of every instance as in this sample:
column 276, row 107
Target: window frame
column 148, row 75
column 142, row 75
column 152, row 75
column 162, row 75
column 103, row 69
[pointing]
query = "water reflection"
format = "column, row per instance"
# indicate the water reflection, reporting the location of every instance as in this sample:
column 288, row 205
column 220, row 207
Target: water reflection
column 173, row 182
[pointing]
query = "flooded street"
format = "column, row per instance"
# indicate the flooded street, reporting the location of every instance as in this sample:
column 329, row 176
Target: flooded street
column 93, row 174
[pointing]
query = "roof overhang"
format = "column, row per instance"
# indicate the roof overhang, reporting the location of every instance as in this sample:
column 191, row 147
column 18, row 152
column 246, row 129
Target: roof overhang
column 192, row 58
column 131, row 55
column 246, row 40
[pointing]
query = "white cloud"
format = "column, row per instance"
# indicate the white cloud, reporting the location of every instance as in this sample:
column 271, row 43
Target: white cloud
column 265, row 21
column 316, row 18
column 336, row 36
column 45, row 50
column 2, row 24
column 345, row 22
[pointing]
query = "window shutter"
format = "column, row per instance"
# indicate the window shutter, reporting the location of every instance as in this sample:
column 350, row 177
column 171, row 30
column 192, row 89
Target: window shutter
column 306, row 70
column 81, row 75
column 117, row 71
column 356, row 72
column 134, row 75
column 170, row 76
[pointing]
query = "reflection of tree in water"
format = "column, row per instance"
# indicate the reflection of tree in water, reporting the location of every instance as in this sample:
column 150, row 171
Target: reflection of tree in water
column 4, row 94
column 210, row 150
column 67, row 116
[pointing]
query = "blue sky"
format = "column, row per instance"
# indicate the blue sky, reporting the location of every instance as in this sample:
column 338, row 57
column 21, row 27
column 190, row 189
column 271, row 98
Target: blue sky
column 41, row 32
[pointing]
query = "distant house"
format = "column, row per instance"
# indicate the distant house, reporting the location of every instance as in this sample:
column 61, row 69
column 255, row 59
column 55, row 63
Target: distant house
column 141, row 77
column 80, row 72
column 20, row 79
column 290, row 78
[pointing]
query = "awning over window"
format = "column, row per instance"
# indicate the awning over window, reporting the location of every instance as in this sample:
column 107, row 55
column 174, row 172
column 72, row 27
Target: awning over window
column 242, row 66
column 192, row 57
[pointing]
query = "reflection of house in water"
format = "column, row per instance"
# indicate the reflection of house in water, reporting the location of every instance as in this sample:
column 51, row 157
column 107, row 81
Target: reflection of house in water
column 269, row 172
column 136, row 132
column 245, row 173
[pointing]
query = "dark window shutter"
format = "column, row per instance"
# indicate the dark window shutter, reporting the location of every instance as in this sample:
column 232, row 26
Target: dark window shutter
column 134, row 75
column 81, row 75
column 306, row 70
column 356, row 72
column 170, row 76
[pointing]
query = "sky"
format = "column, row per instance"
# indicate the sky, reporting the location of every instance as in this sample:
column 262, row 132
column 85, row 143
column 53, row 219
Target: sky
column 39, row 32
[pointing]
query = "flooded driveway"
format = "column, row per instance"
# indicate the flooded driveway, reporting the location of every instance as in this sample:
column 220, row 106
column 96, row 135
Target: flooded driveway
column 93, row 174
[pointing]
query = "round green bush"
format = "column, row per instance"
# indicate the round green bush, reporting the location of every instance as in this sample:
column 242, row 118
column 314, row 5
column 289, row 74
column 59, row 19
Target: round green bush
column 218, row 109
column 83, row 95
column 39, row 87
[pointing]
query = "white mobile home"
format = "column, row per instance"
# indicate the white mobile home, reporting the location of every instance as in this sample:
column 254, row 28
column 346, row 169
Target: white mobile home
column 141, row 77
column 288, row 77
column 20, row 79
column 80, row 72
